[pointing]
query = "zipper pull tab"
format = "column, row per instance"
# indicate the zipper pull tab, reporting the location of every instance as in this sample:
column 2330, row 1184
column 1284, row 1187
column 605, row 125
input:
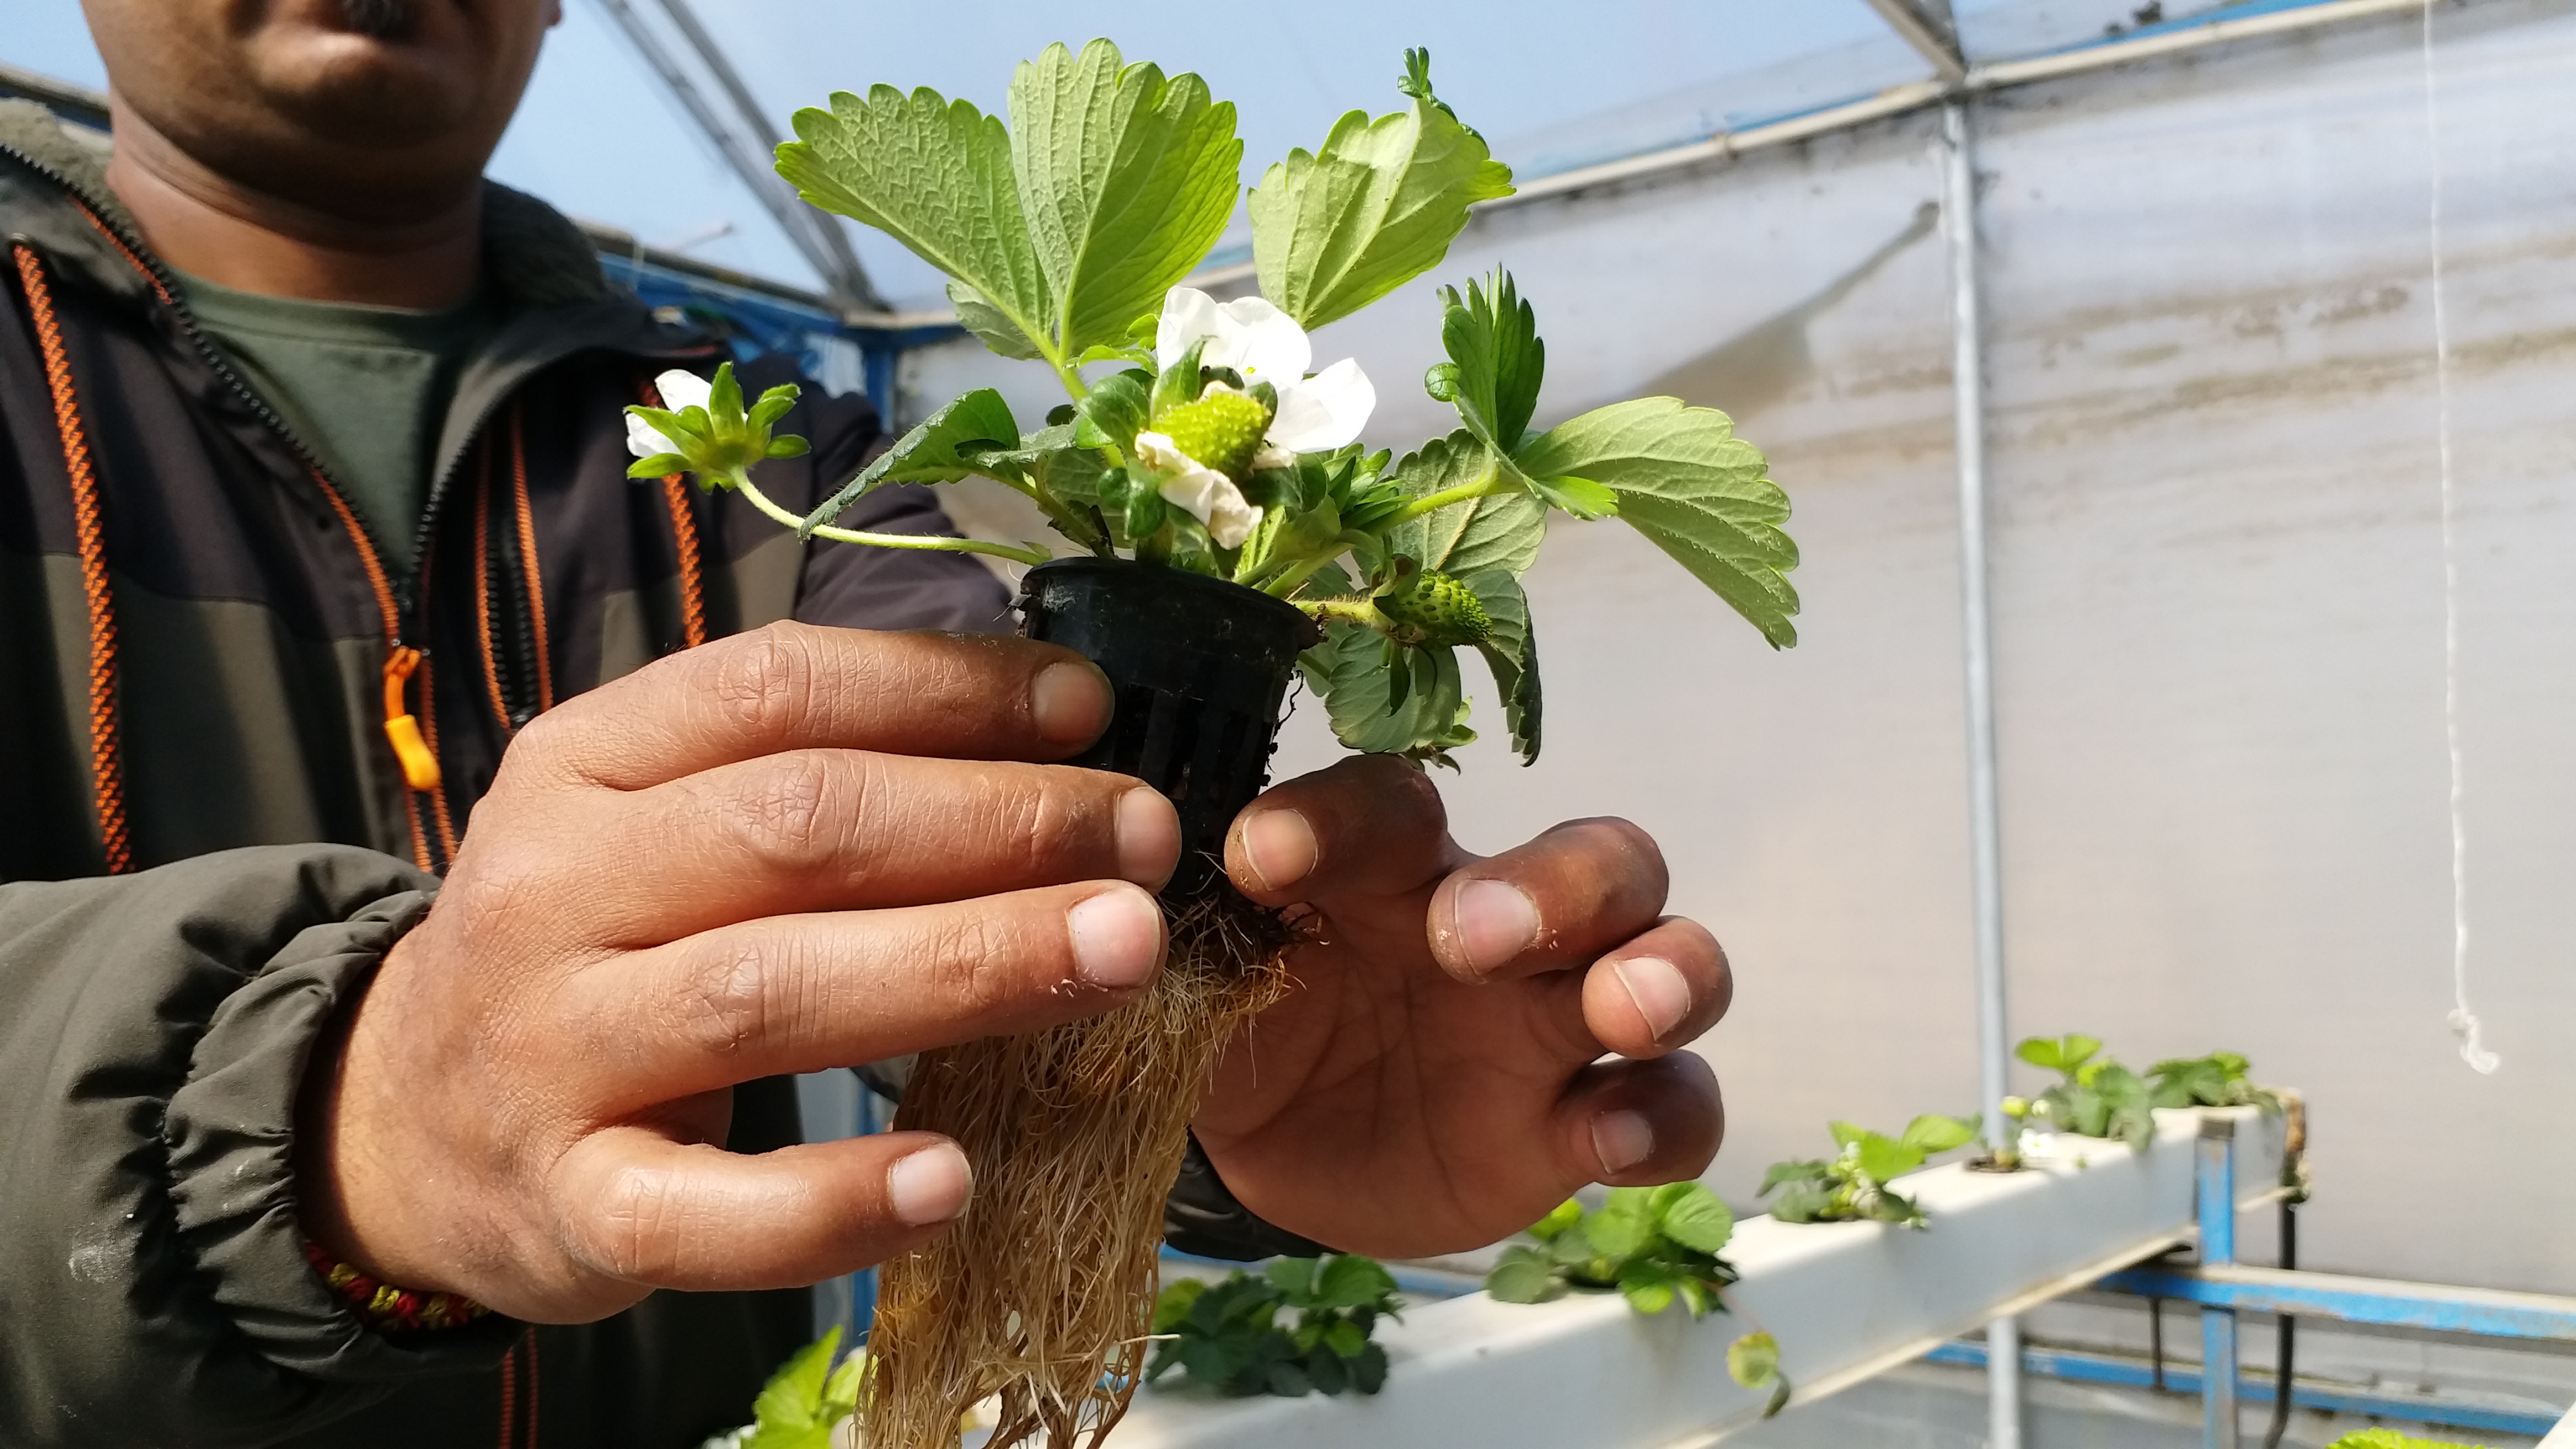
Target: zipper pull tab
column 419, row 766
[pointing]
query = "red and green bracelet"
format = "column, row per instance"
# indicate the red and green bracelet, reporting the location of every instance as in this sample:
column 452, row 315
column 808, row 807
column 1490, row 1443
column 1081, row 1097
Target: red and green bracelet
column 386, row 1307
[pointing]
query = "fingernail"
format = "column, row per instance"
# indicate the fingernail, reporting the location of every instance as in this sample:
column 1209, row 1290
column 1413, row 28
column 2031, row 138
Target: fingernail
column 1117, row 939
column 1149, row 837
column 1280, row 847
column 929, row 1186
column 1495, row 923
column 1663, row 998
column 1069, row 703
column 1621, row 1140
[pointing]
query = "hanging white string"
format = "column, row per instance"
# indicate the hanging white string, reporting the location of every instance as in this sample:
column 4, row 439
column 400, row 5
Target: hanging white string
column 2464, row 1022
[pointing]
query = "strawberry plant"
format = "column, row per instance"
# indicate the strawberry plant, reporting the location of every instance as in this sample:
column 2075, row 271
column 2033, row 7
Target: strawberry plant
column 2216, row 1080
column 1657, row 1246
column 1197, row 434
column 2097, row 1097
column 1233, row 1337
column 1852, row 1185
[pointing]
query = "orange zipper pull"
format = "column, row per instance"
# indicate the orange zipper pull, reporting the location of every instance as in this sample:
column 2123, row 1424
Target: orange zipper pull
column 419, row 766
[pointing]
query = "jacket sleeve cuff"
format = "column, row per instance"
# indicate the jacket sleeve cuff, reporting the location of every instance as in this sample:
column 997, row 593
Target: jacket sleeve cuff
column 1201, row 1216
column 230, row 1135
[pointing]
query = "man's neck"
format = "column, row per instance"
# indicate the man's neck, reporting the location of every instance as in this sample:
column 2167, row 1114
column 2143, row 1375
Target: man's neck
column 209, row 227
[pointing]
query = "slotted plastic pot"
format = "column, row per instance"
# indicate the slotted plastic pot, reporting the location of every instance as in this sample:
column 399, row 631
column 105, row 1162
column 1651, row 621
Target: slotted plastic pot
column 1200, row 667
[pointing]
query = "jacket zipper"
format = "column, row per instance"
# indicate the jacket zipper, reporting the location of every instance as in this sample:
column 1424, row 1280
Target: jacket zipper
column 402, row 728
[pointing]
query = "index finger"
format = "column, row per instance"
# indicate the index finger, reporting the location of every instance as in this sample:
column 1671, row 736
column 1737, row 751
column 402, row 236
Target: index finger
column 797, row 686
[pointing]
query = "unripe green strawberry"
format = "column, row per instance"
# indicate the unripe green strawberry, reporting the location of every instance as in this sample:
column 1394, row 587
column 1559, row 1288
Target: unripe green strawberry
column 1221, row 429
column 1436, row 608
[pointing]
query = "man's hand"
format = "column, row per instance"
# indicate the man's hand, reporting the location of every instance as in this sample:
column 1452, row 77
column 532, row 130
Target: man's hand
column 736, row 863
column 1432, row 1084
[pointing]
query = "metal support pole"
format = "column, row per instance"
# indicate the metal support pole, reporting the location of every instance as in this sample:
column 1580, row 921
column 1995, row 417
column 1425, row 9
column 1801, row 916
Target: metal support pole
column 2216, row 1180
column 1985, row 856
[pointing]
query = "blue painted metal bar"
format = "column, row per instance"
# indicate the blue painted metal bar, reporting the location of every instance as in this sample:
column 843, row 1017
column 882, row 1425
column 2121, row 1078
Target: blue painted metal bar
column 2489, row 1312
column 2216, row 1210
column 2094, row 1368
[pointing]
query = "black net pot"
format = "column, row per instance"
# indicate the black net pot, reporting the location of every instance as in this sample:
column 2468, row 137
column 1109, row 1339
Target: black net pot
column 1200, row 667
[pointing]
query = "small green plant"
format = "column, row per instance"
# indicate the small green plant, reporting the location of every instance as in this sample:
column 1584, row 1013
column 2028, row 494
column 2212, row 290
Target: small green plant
column 2216, row 1080
column 1229, row 1336
column 804, row 1401
column 1658, row 1246
column 2097, row 1097
column 1852, row 1185
column 2391, row 1439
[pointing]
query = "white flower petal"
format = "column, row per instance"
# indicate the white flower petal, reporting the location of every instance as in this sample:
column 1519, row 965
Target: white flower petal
column 1188, row 315
column 1159, row 453
column 1261, row 342
column 682, row 391
column 1204, row 493
column 1247, row 334
column 1325, row 411
column 644, row 440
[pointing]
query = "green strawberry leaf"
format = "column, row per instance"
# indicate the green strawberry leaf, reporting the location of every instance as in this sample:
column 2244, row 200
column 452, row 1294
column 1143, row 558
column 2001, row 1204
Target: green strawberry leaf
column 1581, row 497
column 936, row 176
column 1883, row 1157
column 1564, row 1215
column 1000, row 334
column 1172, row 1305
column 1683, row 479
column 1789, row 1172
column 1930, row 1134
column 1294, row 1277
column 1494, row 348
column 806, row 1398
column 1648, row 1285
column 1624, row 1226
column 1511, row 652
column 1113, row 412
column 1696, row 1218
column 943, row 448
column 1126, row 179
column 1348, row 1280
column 1502, row 531
column 1376, row 206
column 1524, row 1275
column 1753, row 1360
column 1424, row 717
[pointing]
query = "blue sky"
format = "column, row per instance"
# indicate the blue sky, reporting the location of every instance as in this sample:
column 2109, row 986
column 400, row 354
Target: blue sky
column 1551, row 83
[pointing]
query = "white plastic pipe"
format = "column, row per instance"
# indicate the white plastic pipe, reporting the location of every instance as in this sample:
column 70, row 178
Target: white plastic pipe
column 1985, row 854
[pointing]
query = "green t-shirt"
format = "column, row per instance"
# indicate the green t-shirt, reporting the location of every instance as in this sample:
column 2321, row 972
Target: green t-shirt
column 366, row 388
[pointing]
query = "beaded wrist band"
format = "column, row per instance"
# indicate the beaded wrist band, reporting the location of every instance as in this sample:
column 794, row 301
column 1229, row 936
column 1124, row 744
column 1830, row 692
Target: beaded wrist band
column 391, row 1309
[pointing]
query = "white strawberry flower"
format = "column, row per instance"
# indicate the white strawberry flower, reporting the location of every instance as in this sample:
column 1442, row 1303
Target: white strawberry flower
column 680, row 391
column 1316, row 414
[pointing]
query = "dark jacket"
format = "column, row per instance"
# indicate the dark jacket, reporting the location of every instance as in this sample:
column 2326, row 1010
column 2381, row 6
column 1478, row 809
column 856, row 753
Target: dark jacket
column 208, row 841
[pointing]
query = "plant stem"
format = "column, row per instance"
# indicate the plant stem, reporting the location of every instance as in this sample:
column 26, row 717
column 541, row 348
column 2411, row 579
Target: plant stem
column 1288, row 580
column 937, row 543
column 1486, row 487
column 1351, row 611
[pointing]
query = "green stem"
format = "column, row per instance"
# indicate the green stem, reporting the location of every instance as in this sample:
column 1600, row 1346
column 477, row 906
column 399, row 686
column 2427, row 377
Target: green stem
column 1350, row 611
column 1486, row 487
column 937, row 543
